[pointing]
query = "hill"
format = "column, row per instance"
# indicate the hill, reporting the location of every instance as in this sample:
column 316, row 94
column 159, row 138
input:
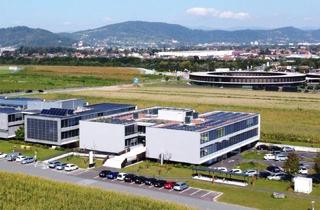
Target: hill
column 25, row 36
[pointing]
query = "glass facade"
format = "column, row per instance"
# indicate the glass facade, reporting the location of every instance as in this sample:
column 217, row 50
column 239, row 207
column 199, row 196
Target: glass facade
column 229, row 129
column 15, row 117
column 69, row 134
column 42, row 129
column 205, row 151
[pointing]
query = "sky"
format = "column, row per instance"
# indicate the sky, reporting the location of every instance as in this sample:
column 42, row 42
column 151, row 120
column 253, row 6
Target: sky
column 75, row 15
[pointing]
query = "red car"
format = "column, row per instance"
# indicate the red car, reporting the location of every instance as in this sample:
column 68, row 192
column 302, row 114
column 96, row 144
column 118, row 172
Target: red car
column 169, row 185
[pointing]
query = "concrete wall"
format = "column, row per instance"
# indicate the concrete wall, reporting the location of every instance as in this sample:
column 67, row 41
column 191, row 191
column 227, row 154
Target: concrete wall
column 102, row 137
column 3, row 121
column 182, row 146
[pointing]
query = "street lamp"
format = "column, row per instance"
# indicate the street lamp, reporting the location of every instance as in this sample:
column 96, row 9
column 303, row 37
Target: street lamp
column 312, row 204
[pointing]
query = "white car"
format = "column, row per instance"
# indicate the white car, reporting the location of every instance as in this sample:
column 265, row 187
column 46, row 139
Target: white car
column 3, row 155
column 269, row 156
column 223, row 169
column 70, row 167
column 303, row 170
column 281, row 157
column 236, row 171
column 121, row 176
column 251, row 172
column 20, row 158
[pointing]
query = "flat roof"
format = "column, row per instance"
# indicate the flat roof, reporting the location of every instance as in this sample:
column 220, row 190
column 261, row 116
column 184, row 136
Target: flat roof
column 9, row 110
column 211, row 120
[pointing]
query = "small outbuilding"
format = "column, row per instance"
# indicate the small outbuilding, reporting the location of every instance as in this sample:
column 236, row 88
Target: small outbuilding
column 302, row 184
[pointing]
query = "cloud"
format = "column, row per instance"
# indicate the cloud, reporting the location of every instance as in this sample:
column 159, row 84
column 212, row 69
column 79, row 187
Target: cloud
column 214, row 13
column 67, row 23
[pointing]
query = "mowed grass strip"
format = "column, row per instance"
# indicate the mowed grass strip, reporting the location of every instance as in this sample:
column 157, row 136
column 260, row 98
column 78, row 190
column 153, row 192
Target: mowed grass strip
column 26, row 192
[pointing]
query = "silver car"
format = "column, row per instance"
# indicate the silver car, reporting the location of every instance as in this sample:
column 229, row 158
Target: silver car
column 180, row 186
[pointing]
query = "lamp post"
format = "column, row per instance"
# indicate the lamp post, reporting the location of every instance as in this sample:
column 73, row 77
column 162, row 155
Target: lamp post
column 312, row 204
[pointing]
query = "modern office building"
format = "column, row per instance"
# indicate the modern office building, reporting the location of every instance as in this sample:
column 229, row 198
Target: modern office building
column 179, row 135
column 10, row 121
column 59, row 127
column 252, row 79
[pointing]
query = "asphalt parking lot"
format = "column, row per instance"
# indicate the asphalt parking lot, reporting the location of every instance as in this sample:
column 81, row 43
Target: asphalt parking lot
column 190, row 192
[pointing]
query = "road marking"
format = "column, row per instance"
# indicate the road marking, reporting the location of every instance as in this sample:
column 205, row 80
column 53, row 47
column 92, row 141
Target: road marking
column 216, row 197
column 132, row 183
column 206, row 194
column 160, row 188
column 185, row 190
column 141, row 184
column 150, row 186
column 195, row 192
column 170, row 190
column 96, row 177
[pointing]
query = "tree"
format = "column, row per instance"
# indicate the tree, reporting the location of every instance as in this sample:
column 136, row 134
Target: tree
column 20, row 133
column 291, row 166
column 316, row 166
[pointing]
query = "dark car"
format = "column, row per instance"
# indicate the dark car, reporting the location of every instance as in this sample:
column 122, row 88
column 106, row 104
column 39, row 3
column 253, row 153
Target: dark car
column 159, row 183
column 130, row 178
column 112, row 175
column 262, row 147
column 275, row 148
column 274, row 169
column 169, row 185
column 140, row 180
column 28, row 91
column 150, row 181
column 104, row 173
column 264, row 174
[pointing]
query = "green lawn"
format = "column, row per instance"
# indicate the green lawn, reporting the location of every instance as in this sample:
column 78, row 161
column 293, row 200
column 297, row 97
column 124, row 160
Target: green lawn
column 43, row 153
column 252, row 165
column 82, row 162
column 257, row 196
column 27, row 192
column 253, row 155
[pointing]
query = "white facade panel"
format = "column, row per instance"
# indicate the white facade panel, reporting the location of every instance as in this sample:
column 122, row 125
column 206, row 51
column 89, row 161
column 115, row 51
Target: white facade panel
column 102, row 137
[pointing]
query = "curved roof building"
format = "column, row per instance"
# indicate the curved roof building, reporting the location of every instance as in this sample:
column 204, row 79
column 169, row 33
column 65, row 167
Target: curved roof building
column 248, row 78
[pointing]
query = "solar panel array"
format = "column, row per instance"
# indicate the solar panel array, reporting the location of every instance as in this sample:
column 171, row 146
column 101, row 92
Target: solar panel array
column 212, row 120
column 57, row 112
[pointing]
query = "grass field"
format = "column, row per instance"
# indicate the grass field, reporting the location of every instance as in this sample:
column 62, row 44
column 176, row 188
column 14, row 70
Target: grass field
column 49, row 77
column 292, row 118
column 246, row 196
column 26, row 192
column 82, row 162
column 42, row 152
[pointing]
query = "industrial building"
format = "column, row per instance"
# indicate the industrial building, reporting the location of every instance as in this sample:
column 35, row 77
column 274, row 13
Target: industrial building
column 60, row 126
column 172, row 134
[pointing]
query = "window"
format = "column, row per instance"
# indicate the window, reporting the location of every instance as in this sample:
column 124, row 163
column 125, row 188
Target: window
column 204, row 138
column 69, row 134
column 130, row 129
column 42, row 129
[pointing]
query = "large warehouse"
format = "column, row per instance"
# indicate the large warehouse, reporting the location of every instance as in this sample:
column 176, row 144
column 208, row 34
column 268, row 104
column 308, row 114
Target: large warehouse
column 179, row 135
column 248, row 79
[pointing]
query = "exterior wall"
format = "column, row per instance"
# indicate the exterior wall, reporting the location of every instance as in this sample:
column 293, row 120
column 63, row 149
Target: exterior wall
column 4, row 121
column 174, row 115
column 103, row 137
column 180, row 146
column 8, row 129
column 63, row 104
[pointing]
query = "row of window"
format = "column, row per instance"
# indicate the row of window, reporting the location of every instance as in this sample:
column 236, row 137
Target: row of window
column 229, row 129
column 247, row 80
column 69, row 134
column 15, row 117
column 205, row 151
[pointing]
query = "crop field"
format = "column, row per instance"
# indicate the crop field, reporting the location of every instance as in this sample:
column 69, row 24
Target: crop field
column 50, row 77
column 292, row 118
column 26, row 192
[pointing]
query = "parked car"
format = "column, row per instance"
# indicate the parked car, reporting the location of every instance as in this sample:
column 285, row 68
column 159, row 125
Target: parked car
column 274, row 169
column 159, row 183
column 104, row 173
column 61, row 166
column 236, row 171
column 303, row 170
column 20, row 158
column 53, row 164
column 112, row 175
column 269, row 156
column 262, row 147
column 150, row 181
column 140, row 180
column 129, row 178
column 180, row 186
column 12, row 156
column 70, row 167
column 288, row 149
column 3, row 155
column 275, row 148
column 264, row 174
column 278, row 176
column 281, row 157
column 223, row 169
column 251, row 172
column 169, row 185
column 121, row 176
column 28, row 160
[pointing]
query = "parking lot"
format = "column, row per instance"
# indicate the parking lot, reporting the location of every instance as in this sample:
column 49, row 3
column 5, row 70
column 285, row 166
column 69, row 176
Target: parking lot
column 189, row 192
